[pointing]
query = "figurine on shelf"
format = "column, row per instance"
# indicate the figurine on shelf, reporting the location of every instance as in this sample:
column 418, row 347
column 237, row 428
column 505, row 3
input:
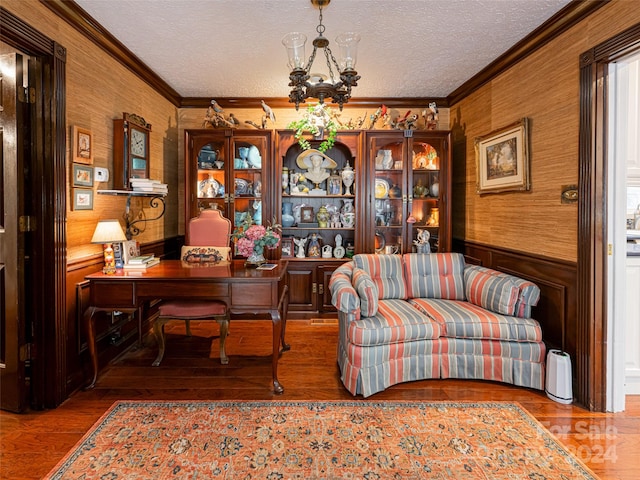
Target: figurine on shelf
column 316, row 164
column 338, row 252
column 300, row 243
column 314, row 246
column 422, row 242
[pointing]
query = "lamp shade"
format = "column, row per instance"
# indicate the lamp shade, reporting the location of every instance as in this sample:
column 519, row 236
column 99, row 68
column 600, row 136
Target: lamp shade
column 108, row 231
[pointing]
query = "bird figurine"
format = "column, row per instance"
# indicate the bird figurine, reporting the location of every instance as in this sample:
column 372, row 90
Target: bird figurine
column 400, row 121
column 411, row 122
column 233, row 120
column 432, row 117
column 268, row 112
column 216, row 108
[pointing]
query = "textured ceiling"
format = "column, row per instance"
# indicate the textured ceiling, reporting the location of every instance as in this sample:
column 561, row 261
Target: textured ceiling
column 232, row 48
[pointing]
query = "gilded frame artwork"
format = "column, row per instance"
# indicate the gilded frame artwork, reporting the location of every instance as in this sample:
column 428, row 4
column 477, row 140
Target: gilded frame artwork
column 81, row 145
column 502, row 159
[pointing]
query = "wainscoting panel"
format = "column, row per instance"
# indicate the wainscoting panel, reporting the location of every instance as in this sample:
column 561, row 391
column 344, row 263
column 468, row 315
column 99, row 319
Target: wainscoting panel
column 557, row 309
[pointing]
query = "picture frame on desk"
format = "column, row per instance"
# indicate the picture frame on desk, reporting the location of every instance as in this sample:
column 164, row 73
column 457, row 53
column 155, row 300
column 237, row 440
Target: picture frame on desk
column 130, row 249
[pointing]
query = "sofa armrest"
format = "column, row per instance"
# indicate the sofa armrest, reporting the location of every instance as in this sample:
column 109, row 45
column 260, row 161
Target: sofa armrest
column 500, row 292
column 343, row 295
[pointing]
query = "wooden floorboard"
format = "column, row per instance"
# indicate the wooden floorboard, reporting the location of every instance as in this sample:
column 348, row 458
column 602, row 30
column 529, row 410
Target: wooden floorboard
column 32, row 443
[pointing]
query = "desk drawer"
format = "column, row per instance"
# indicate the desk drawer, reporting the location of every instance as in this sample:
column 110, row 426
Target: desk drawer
column 177, row 289
column 113, row 294
column 251, row 295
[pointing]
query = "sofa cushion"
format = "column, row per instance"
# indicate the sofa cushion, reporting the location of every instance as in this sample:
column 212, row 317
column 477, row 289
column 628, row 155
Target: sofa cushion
column 395, row 322
column 435, row 275
column 493, row 292
column 200, row 254
column 367, row 291
column 387, row 273
column 466, row 320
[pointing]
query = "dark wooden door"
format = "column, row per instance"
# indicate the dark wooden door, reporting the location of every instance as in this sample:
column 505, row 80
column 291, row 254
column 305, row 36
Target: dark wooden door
column 302, row 286
column 13, row 221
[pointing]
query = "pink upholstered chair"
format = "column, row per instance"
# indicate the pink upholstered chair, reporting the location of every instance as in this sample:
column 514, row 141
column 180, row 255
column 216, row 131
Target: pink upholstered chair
column 210, row 229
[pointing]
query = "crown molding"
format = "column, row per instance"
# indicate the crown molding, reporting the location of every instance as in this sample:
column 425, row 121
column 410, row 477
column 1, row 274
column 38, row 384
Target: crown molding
column 79, row 19
column 566, row 18
column 573, row 13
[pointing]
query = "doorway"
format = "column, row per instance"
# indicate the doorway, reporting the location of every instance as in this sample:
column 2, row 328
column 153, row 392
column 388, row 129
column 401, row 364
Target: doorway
column 623, row 325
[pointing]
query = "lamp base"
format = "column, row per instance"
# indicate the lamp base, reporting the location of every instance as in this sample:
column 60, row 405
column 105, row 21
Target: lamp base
column 108, row 270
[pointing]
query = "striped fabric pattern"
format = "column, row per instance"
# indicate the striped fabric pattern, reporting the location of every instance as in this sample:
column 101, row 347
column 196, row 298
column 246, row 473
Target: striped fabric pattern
column 493, row 292
column 368, row 370
column 526, row 351
column 435, row 275
column 465, row 320
column 395, row 322
column 367, row 291
column 386, row 272
column 343, row 296
column 528, row 292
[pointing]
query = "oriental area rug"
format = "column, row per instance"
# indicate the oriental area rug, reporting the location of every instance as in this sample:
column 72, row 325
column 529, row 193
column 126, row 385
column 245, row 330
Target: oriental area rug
column 318, row 440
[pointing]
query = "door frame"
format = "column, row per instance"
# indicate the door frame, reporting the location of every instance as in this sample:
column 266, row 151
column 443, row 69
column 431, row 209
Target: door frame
column 593, row 212
column 48, row 243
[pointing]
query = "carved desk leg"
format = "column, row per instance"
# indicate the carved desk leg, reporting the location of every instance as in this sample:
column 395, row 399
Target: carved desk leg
column 283, row 306
column 277, row 338
column 89, row 323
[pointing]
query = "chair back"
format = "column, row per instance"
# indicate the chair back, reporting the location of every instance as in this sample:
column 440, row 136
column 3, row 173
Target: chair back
column 210, row 228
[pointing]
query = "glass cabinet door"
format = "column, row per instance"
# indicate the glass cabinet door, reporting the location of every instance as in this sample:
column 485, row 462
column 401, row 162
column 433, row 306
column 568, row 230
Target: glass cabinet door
column 249, row 158
column 410, row 182
column 211, row 180
column 423, row 226
column 390, row 194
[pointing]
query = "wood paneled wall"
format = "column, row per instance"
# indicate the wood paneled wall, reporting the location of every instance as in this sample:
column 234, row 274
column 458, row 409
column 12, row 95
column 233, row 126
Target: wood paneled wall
column 545, row 88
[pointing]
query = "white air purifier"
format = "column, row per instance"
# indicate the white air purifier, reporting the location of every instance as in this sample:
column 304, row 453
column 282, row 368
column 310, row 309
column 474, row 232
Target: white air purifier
column 558, row 384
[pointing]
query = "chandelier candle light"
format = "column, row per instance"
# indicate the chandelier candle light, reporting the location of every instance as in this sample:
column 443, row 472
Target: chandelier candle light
column 108, row 232
column 311, row 85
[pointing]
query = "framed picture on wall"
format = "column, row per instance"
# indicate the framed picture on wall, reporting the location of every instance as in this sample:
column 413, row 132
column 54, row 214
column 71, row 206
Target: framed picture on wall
column 502, row 159
column 82, row 175
column 82, row 199
column 81, row 145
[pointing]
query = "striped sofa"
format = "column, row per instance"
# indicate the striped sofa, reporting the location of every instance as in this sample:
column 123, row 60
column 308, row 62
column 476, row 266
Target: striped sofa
column 418, row 316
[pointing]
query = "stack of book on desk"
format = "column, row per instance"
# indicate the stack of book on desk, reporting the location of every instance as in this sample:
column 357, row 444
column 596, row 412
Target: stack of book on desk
column 148, row 186
column 141, row 262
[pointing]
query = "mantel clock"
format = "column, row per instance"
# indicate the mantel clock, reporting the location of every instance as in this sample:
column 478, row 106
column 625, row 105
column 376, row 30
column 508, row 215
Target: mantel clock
column 130, row 150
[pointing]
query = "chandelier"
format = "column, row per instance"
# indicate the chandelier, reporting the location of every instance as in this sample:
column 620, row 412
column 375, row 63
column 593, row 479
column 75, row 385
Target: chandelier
column 315, row 85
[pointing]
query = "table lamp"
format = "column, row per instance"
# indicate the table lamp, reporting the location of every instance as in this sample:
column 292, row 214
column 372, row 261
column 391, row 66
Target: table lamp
column 107, row 232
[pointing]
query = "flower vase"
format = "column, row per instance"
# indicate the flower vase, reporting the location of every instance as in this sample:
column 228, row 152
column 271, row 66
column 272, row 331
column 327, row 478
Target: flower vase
column 255, row 260
column 287, row 214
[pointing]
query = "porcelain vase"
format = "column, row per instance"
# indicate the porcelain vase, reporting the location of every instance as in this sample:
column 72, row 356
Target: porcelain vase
column 255, row 260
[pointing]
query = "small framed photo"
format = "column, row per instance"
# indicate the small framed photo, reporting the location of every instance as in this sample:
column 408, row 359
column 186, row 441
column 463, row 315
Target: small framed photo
column 82, row 176
column 502, row 159
column 82, row 145
column 306, row 215
column 82, row 199
column 287, row 247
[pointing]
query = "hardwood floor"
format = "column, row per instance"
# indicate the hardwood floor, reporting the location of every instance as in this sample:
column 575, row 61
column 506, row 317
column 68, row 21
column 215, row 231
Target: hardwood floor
column 32, row 443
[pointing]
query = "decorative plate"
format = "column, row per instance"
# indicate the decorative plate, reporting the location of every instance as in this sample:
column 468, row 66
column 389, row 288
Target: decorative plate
column 209, row 188
column 242, row 186
column 382, row 188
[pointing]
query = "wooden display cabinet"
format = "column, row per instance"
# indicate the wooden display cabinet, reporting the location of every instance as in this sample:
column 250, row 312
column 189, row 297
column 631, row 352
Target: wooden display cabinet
column 227, row 169
column 309, row 276
column 410, row 189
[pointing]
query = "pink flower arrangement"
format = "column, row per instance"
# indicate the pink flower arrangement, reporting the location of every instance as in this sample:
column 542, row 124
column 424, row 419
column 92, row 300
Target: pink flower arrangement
column 253, row 239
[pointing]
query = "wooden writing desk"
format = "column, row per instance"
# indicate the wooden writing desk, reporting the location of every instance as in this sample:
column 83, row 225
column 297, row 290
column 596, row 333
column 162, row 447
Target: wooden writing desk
column 244, row 290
